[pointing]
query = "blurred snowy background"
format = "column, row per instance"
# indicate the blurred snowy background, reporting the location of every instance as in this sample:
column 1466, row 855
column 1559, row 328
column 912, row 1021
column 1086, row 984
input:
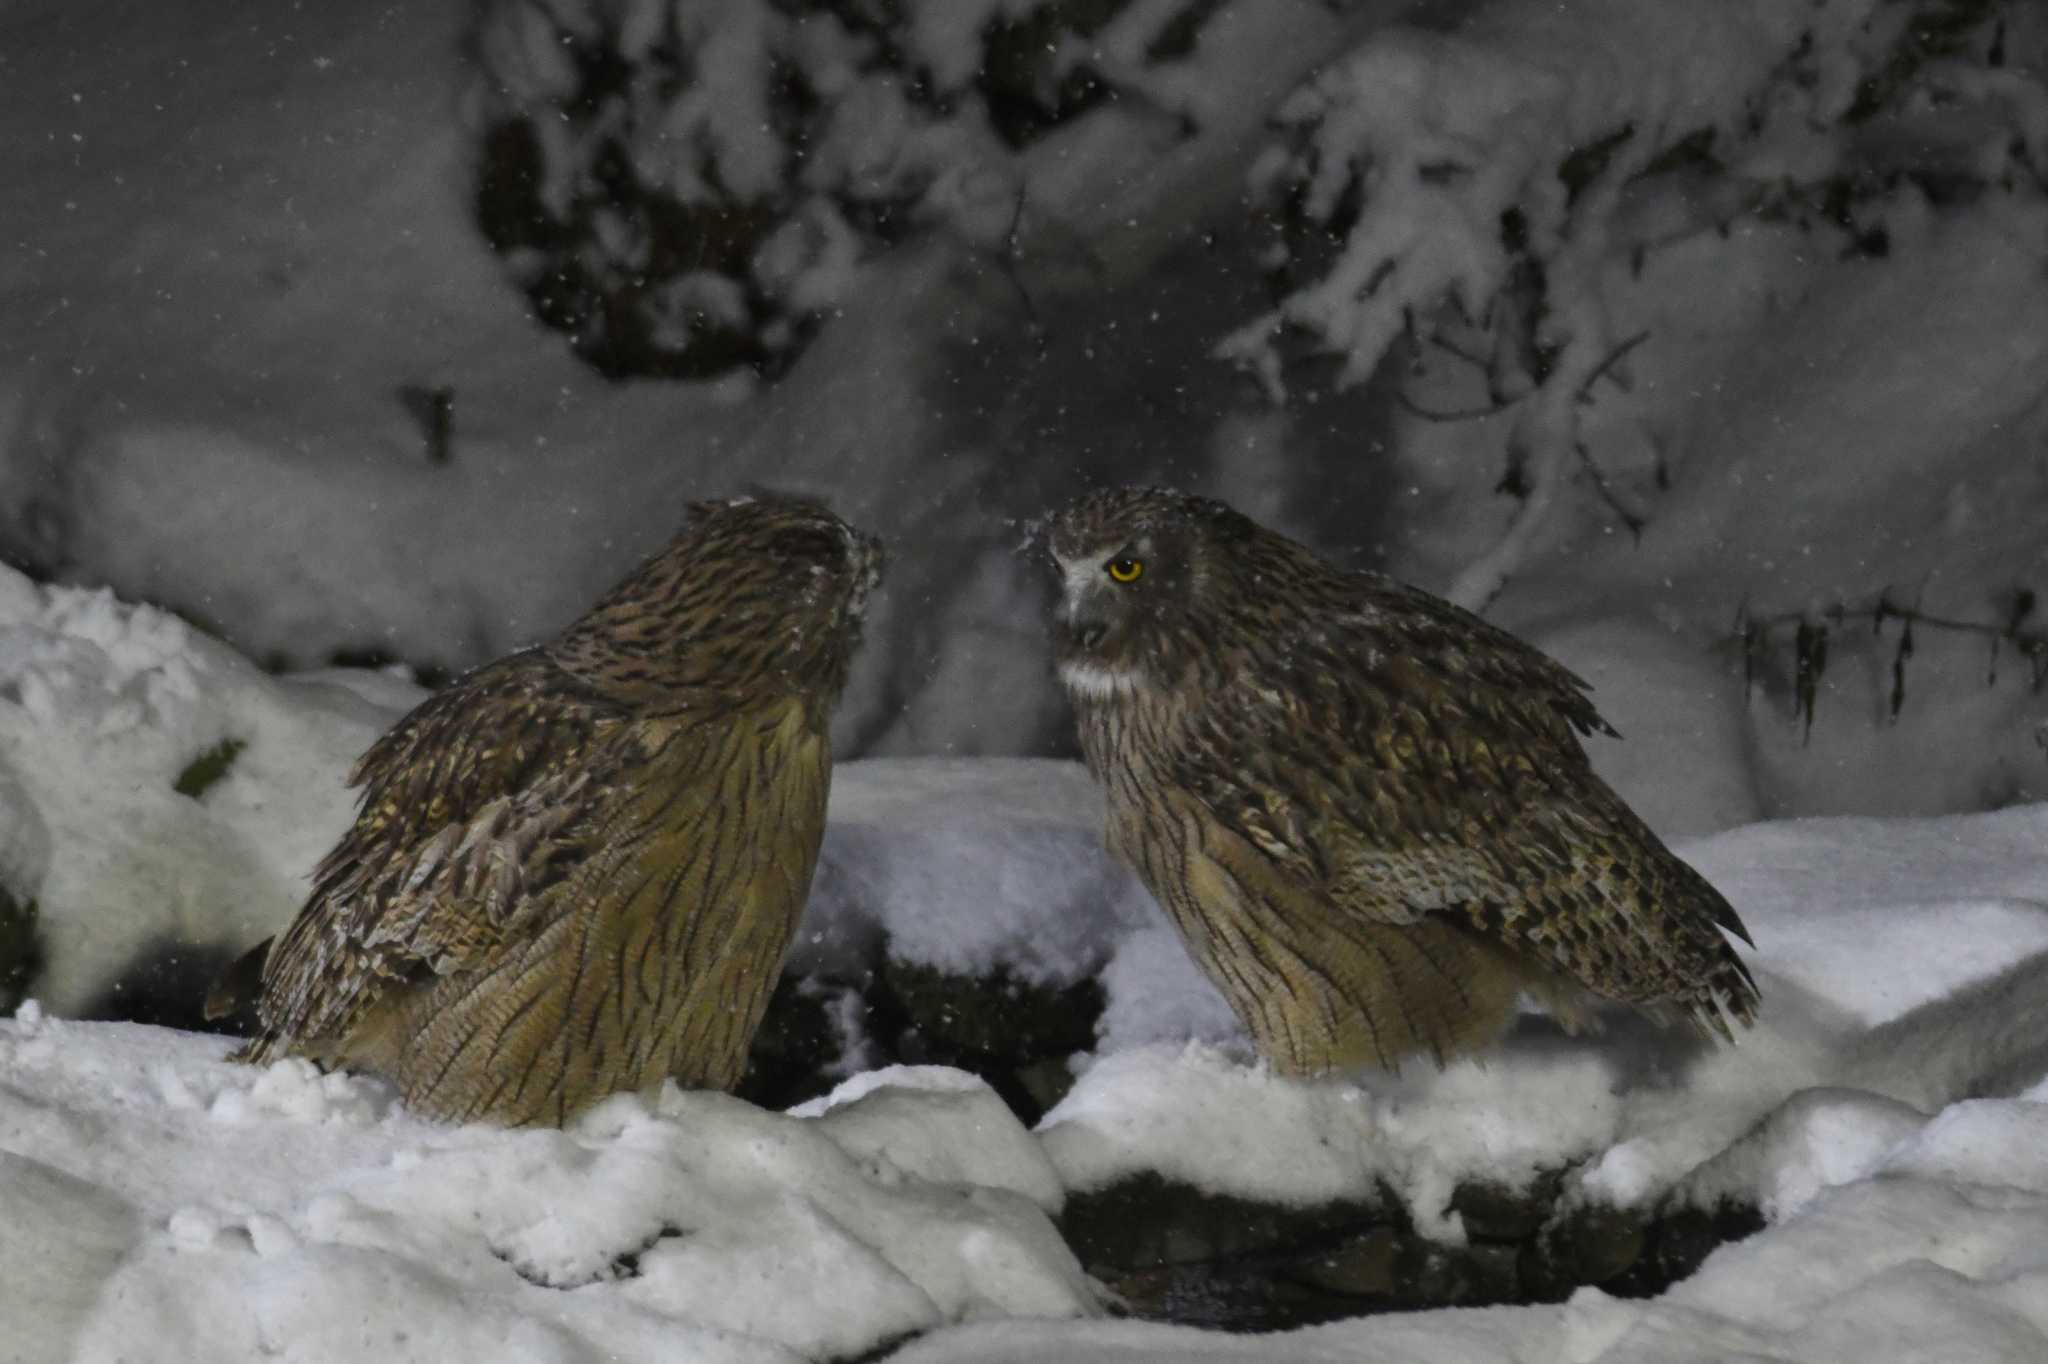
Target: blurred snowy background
column 1703, row 344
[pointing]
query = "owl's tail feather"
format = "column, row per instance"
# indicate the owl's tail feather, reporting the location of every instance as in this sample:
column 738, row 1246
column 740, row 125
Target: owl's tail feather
column 1383, row 993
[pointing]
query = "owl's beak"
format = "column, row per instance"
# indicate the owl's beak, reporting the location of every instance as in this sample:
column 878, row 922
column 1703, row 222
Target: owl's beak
column 1081, row 616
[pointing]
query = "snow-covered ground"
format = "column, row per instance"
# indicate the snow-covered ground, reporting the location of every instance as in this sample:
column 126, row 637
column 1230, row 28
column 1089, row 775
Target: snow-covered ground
column 1886, row 1114
column 166, row 1205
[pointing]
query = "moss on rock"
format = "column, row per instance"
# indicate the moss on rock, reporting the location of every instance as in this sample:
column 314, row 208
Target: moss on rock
column 205, row 771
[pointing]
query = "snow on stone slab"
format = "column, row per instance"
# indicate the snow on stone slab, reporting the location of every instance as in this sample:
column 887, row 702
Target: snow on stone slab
column 212, row 1210
column 1200, row 1116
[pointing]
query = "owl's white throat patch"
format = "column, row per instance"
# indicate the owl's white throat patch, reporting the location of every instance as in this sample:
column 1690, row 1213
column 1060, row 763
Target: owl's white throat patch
column 1099, row 683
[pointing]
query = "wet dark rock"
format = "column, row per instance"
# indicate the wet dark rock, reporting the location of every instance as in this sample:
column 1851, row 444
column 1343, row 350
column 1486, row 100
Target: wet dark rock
column 1015, row 1034
column 1495, row 1272
column 1677, row 1243
column 1173, row 1253
column 1148, row 1221
column 1249, row 1295
column 1364, row 1266
column 165, row 984
column 1589, row 1245
column 796, row 1053
column 1494, row 1212
column 1046, row 1081
column 1007, row 1030
column 994, row 1014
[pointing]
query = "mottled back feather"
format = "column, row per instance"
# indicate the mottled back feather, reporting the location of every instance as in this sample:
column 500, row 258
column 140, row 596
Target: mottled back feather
column 473, row 806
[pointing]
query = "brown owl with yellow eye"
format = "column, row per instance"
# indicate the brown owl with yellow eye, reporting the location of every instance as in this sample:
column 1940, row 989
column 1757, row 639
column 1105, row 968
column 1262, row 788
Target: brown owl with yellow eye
column 576, row 871
column 1367, row 811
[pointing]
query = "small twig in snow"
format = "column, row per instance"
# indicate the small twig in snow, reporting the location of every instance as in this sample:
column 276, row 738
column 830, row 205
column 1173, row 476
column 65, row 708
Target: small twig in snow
column 1477, row 362
column 1635, row 521
column 1012, row 254
column 1607, row 363
column 1465, row 414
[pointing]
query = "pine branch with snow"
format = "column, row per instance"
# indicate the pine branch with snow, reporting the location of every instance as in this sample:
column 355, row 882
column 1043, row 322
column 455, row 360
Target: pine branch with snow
column 1477, row 194
column 687, row 189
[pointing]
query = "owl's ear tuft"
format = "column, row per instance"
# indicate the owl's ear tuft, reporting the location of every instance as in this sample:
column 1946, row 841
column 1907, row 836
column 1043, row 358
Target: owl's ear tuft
column 752, row 494
column 706, row 508
column 1225, row 522
column 752, row 491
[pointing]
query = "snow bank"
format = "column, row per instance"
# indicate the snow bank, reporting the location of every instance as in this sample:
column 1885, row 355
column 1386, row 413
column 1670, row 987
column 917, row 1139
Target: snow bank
column 1879, row 917
column 104, row 707
column 210, row 1209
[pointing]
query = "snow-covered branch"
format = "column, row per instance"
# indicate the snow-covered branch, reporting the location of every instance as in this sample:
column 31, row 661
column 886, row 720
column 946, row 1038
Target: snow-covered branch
column 688, row 188
column 1480, row 191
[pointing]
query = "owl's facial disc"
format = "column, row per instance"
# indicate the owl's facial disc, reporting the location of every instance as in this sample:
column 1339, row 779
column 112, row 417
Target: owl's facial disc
column 1101, row 599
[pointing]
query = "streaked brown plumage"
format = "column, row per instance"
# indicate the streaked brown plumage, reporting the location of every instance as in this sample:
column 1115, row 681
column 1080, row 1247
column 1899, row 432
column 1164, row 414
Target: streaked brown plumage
column 576, row 870
column 1367, row 811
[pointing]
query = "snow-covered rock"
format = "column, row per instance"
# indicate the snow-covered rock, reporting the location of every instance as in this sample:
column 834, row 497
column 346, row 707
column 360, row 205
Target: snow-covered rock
column 104, row 707
column 195, row 1208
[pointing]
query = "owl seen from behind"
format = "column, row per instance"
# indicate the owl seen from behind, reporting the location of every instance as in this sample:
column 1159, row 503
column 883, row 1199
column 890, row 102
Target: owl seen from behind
column 1367, row 811
column 576, row 870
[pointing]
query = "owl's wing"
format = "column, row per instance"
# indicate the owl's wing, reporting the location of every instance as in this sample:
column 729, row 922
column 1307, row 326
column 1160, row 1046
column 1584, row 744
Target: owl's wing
column 1410, row 761
column 474, row 807
column 1406, row 728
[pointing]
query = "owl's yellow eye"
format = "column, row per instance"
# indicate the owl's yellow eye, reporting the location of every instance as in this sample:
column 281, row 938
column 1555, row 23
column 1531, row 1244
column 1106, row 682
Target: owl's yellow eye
column 1126, row 569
